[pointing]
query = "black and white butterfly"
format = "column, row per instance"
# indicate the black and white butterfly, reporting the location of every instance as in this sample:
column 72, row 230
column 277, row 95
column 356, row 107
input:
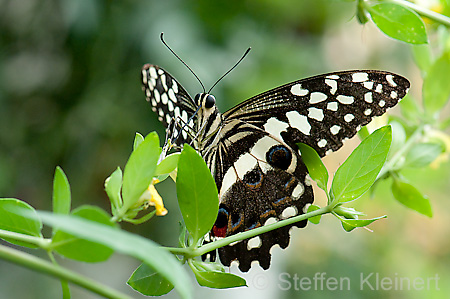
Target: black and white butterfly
column 251, row 149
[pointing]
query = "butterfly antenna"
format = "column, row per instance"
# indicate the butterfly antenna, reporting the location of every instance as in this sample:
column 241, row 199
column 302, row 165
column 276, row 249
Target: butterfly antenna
column 235, row 65
column 165, row 44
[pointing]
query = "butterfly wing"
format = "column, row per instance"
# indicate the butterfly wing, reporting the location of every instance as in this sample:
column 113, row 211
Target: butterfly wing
column 324, row 110
column 261, row 180
column 258, row 169
column 169, row 100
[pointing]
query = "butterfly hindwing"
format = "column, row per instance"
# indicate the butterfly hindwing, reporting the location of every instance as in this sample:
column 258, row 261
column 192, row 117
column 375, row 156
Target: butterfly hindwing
column 261, row 180
column 324, row 110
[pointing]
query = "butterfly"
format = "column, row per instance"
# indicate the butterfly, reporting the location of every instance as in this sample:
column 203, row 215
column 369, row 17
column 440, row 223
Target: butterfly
column 251, row 149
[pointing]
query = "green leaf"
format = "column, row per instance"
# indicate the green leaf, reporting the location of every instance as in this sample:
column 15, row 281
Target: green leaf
column 124, row 242
column 113, row 184
column 408, row 195
column 423, row 57
column 316, row 169
column 148, row 282
column 348, row 213
column 398, row 136
column 197, row 193
column 137, row 140
column 351, row 224
column 12, row 221
column 215, row 279
column 436, row 87
column 315, row 219
column 355, row 176
column 399, row 22
column 363, row 133
column 79, row 249
column 140, row 168
column 61, row 192
column 219, row 280
column 168, row 164
column 422, row 154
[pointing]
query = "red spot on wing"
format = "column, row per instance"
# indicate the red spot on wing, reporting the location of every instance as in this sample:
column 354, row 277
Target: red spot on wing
column 219, row 231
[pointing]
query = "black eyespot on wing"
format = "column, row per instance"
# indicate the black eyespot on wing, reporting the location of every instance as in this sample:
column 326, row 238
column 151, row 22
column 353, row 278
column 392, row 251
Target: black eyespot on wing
column 279, row 156
column 222, row 218
column 253, row 178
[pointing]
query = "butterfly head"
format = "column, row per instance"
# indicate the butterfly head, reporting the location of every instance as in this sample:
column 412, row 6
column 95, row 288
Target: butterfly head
column 205, row 100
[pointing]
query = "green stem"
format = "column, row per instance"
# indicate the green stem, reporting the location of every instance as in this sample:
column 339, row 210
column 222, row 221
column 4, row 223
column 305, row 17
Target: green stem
column 40, row 265
column 425, row 12
column 64, row 283
column 253, row 232
column 391, row 164
column 37, row 241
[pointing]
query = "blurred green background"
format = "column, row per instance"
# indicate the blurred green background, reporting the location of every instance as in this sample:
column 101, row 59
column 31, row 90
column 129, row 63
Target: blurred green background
column 70, row 95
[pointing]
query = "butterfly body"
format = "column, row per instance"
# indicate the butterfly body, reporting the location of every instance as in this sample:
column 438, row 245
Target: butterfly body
column 251, row 149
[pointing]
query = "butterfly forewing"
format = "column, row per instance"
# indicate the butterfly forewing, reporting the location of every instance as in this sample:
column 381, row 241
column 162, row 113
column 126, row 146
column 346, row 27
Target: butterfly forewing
column 324, row 110
column 170, row 101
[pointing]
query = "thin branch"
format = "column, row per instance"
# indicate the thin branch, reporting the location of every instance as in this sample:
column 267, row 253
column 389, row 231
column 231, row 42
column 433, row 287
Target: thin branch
column 37, row 241
column 43, row 266
column 256, row 231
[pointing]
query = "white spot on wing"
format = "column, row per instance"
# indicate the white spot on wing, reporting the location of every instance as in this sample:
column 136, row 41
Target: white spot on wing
column 315, row 113
column 317, row 97
column 345, row 99
column 174, row 86
column 163, row 81
column 164, row 98
column 152, row 72
column 335, row 129
column 289, row 212
column 228, row 180
column 368, row 112
column 322, row 143
column 381, row 103
column 368, row 84
column 360, row 77
column 299, row 121
column 245, row 164
column 394, row 94
column 379, row 88
column 144, row 76
column 298, row 191
column 390, row 80
column 334, row 77
column 156, row 95
column 275, row 127
column 172, row 95
column 298, row 90
column 349, row 117
column 170, row 106
column 184, row 116
column 368, row 97
column 332, row 84
column 333, row 106
column 254, row 242
column 271, row 220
